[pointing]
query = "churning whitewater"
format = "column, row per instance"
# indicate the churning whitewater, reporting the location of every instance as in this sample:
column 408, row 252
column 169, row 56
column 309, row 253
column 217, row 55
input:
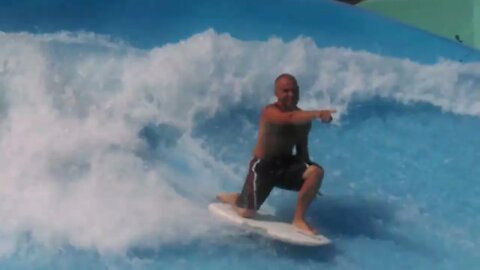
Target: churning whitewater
column 108, row 147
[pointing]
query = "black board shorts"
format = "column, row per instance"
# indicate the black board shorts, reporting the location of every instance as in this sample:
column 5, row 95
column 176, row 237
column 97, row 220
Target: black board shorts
column 265, row 174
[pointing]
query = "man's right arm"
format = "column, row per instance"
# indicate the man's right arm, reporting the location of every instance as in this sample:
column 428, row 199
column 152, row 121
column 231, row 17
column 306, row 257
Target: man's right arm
column 275, row 116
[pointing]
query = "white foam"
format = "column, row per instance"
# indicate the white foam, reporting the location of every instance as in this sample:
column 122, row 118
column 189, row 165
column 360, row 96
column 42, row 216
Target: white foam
column 70, row 117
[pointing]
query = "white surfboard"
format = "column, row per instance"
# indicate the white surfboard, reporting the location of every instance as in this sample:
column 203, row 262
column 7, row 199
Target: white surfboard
column 267, row 225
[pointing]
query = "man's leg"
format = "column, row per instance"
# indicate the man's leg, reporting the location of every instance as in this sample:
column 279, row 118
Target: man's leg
column 231, row 198
column 228, row 197
column 256, row 189
column 312, row 181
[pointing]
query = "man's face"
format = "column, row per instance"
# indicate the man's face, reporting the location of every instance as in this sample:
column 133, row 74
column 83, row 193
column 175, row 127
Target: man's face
column 287, row 93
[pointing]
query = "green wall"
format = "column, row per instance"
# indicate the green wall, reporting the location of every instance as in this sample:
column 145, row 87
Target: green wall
column 476, row 23
column 446, row 18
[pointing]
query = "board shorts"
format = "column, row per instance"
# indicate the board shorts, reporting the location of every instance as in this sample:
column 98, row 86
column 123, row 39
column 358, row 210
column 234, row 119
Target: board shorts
column 265, row 174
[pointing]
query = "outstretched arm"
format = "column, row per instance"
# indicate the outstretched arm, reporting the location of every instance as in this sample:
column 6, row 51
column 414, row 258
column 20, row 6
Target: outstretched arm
column 276, row 116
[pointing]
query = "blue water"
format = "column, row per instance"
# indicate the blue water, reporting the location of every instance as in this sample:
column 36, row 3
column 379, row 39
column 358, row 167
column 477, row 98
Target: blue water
column 120, row 121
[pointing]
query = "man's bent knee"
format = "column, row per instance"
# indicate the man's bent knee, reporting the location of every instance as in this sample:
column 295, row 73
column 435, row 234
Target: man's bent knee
column 314, row 171
column 318, row 171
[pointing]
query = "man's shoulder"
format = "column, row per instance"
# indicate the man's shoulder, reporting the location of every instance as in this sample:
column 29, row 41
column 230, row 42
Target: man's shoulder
column 271, row 105
column 275, row 106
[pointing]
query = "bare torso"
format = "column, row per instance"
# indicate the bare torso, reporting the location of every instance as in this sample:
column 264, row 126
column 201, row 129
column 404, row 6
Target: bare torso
column 279, row 140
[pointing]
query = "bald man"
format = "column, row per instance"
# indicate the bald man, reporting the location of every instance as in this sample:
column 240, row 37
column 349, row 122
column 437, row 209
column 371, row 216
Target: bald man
column 283, row 127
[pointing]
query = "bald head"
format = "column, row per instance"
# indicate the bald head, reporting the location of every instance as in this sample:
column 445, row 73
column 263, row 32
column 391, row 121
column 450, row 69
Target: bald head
column 285, row 76
column 286, row 90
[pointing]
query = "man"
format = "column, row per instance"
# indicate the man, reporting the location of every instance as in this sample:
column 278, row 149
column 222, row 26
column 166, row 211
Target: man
column 283, row 128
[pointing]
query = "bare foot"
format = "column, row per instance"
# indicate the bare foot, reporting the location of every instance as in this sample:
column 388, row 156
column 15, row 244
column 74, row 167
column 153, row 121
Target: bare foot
column 304, row 226
column 229, row 198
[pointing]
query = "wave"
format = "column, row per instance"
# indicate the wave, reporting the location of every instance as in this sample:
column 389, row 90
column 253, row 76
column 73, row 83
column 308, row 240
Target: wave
column 82, row 114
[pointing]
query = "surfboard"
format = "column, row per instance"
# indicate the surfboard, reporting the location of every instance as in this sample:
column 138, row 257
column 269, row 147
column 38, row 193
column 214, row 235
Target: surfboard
column 267, row 225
